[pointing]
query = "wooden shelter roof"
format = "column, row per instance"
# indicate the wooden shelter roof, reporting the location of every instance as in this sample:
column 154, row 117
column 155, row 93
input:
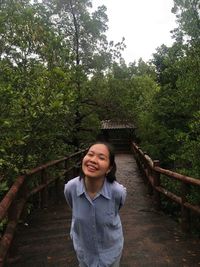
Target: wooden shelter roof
column 109, row 124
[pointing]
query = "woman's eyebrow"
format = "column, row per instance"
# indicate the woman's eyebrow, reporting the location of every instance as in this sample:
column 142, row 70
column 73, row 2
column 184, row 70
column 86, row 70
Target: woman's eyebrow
column 90, row 151
column 101, row 154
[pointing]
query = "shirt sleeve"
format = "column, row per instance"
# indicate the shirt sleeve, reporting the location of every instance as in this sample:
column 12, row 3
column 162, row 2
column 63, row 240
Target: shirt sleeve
column 123, row 196
column 68, row 195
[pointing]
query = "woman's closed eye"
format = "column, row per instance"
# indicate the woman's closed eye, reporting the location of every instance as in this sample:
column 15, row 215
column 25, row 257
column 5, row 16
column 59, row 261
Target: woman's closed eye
column 102, row 158
column 90, row 154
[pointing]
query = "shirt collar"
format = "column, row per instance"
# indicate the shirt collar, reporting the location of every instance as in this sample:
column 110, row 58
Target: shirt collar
column 105, row 190
column 81, row 187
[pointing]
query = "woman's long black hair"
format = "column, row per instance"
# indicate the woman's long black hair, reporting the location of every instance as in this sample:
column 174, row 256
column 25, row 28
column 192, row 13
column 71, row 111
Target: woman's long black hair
column 111, row 176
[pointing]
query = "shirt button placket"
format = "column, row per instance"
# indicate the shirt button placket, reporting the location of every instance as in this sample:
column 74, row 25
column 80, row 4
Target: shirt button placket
column 94, row 233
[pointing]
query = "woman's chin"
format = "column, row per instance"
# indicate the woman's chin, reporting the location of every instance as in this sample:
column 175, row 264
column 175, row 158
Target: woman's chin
column 90, row 175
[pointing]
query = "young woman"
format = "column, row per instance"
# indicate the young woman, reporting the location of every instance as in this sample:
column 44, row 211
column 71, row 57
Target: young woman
column 95, row 198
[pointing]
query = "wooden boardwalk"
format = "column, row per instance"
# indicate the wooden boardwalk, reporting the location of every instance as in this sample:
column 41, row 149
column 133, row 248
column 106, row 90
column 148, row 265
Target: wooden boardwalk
column 151, row 239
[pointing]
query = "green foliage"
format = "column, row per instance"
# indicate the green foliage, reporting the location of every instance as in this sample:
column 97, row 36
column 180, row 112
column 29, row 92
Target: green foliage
column 177, row 103
column 126, row 91
column 174, row 186
column 194, row 196
column 170, row 130
column 188, row 158
column 187, row 14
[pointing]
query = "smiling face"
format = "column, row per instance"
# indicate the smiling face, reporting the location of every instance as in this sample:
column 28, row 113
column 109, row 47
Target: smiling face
column 96, row 163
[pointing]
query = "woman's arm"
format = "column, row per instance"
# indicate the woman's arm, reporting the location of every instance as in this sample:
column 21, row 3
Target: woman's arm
column 123, row 196
column 68, row 195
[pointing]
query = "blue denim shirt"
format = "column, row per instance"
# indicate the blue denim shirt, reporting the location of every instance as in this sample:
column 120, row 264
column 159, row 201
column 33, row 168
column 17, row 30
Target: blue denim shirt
column 96, row 228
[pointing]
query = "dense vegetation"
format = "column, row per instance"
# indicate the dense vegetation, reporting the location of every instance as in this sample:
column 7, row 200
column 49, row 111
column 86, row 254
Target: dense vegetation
column 59, row 77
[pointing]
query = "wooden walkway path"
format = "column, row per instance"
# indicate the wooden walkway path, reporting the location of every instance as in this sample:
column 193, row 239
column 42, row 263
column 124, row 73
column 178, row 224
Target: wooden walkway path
column 151, row 239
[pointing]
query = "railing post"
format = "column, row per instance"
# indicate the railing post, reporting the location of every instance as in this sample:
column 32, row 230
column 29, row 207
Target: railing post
column 141, row 166
column 156, row 181
column 57, row 190
column 57, row 184
column 13, row 253
column 185, row 213
column 139, row 163
column 149, row 185
column 44, row 193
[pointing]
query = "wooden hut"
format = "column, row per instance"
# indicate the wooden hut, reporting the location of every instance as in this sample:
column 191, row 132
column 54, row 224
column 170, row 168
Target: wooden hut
column 118, row 133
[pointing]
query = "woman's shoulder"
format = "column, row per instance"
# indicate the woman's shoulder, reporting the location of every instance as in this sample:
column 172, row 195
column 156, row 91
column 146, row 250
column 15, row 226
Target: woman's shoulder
column 70, row 190
column 119, row 193
column 118, row 188
column 73, row 182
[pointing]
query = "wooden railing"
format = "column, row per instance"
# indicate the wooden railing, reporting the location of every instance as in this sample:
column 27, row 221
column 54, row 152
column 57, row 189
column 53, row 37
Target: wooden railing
column 151, row 170
column 35, row 182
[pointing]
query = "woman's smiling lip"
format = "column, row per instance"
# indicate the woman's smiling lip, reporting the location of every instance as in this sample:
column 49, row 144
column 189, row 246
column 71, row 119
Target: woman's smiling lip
column 91, row 167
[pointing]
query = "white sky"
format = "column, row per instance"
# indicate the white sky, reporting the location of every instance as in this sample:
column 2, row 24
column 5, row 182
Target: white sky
column 145, row 24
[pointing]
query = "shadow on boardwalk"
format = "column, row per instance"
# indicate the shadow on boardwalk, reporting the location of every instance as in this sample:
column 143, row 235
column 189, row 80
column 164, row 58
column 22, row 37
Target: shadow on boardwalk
column 151, row 238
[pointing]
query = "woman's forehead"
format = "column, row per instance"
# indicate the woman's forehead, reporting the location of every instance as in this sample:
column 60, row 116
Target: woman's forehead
column 100, row 149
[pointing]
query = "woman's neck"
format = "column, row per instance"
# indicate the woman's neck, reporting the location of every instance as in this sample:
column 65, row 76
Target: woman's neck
column 93, row 185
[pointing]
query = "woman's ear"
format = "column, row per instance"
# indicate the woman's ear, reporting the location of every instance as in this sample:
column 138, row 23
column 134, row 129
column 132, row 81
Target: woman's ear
column 109, row 170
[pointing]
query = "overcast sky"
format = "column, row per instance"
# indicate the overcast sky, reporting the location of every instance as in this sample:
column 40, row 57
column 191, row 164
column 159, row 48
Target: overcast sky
column 145, row 24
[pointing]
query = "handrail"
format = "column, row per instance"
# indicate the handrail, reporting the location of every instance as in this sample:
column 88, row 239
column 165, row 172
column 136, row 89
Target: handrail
column 15, row 199
column 10, row 196
column 178, row 176
column 151, row 170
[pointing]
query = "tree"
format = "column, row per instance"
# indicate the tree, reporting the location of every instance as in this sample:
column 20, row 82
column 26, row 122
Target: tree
column 187, row 14
column 35, row 92
column 177, row 102
column 84, row 34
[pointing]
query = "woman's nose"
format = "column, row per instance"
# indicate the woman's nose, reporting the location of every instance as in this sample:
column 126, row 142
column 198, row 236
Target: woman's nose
column 93, row 158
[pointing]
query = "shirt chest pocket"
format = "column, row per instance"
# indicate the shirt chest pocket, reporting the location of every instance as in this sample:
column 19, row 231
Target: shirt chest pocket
column 107, row 215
